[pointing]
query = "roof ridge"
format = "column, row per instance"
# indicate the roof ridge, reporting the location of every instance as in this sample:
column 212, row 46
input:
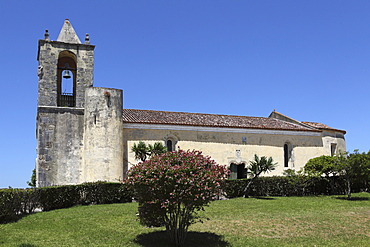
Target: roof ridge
column 318, row 125
column 196, row 113
column 209, row 120
column 282, row 117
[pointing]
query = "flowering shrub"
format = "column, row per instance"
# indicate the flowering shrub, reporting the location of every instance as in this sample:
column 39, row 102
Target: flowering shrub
column 171, row 187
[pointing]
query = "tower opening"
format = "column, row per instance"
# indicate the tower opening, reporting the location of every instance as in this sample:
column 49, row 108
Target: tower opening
column 67, row 82
column 66, row 77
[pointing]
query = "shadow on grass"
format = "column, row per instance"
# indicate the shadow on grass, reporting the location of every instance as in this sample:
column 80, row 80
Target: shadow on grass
column 354, row 198
column 193, row 239
column 5, row 219
column 263, row 198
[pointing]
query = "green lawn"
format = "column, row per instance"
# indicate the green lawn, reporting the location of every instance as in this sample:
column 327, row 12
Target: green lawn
column 268, row 221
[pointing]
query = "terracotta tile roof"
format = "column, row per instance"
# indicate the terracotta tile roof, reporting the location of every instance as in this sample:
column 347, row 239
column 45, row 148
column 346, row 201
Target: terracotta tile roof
column 209, row 120
column 322, row 126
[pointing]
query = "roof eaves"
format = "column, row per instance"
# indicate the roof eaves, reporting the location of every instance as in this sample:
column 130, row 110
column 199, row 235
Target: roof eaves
column 221, row 126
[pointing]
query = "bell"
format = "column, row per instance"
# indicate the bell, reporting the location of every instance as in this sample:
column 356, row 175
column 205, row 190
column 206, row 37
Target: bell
column 66, row 74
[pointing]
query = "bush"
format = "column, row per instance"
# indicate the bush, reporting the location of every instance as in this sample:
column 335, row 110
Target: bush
column 232, row 188
column 89, row 193
column 104, row 193
column 16, row 202
column 296, row 185
column 8, row 205
column 59, row 197
column 151, row 214
column 171, row 187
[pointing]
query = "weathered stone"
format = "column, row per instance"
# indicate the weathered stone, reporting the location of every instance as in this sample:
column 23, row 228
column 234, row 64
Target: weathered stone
column 91, row 138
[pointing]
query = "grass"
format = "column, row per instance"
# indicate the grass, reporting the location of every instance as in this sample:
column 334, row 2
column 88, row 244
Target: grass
column 270, row 221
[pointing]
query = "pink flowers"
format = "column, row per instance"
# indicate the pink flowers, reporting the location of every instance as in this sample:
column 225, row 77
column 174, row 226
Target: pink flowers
column 178, row 180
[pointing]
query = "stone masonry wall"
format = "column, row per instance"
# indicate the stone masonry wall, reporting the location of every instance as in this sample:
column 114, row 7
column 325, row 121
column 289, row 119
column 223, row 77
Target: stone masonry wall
column 103, row 140
column 60, row 133
column 48, row 54
column 60, row 129
column 226, row 147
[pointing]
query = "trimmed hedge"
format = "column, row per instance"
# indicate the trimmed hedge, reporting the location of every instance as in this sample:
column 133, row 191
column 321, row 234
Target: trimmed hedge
column 16, row 202
column 104, row 193
column 290, row 186
column 59, row 197
column 83, row 194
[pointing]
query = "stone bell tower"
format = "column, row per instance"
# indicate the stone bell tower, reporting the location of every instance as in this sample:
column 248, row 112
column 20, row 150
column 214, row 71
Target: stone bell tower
column 65, row 71
column 79, row 127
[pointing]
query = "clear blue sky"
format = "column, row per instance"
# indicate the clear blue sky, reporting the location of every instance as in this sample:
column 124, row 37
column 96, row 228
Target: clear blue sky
column 309, row 60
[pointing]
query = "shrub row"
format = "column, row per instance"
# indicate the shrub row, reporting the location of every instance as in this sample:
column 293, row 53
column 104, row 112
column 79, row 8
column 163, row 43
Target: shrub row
column 290, row 186
column 16, row 202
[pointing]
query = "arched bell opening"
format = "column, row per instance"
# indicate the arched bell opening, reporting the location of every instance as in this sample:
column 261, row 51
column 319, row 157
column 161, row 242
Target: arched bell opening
column 66, row 79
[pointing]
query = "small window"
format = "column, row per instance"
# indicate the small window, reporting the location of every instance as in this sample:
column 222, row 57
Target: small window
column 170, row 142
column 287, row 154
column 169, row 145
column 244, row 140
column 333, row 149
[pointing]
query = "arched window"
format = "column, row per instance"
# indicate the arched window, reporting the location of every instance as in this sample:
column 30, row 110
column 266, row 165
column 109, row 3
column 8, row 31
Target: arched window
column 333, row 149
column 287, row 153
column 66, row 79
column 169, row 145
column 170, row 142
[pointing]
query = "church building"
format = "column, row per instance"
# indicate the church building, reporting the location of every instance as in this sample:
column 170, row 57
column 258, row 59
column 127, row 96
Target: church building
column 84, row 134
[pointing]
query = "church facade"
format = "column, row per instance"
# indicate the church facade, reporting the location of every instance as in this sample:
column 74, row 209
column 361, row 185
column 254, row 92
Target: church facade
column 84, row 134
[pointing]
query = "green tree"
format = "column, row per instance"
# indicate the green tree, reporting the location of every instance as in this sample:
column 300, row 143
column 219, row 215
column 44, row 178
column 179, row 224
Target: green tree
column 156, row 149
column 32, row 183
column 173, row 186
column 257, row 167
column 299, row 180
column 353, row 166
column 142, row 151
column 316, row 167
column 321, row 165
column 361, row 164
